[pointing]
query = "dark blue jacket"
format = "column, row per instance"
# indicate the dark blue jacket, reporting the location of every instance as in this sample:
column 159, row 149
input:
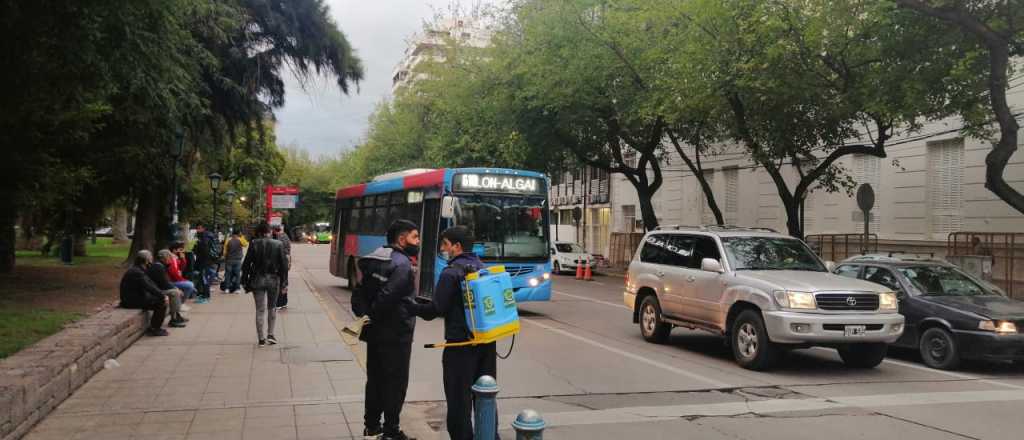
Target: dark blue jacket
column 448, row 298
column 386, row 288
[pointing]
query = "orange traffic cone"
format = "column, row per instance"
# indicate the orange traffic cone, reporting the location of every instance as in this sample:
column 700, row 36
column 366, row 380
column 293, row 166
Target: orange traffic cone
column 587, row 275
column 579, row 270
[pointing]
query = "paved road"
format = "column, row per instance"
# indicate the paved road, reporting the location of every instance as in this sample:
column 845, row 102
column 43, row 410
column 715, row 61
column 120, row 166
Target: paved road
column 582, row 363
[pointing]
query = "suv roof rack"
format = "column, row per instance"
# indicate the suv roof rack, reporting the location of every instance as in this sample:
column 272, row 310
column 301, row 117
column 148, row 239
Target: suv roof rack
column 715, row 228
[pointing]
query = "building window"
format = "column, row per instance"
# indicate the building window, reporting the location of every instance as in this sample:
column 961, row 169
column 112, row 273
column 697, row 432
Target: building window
column 945, row 186
column 629, row 223
column 706, row 216
column 629, row 157
column 732, row 181
column 868, row 169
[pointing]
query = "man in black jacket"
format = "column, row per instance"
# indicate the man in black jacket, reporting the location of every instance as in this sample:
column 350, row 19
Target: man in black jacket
column 461, row 365
column 157, row 271
column 387, row 287
column 263, row 269
column 139, row 292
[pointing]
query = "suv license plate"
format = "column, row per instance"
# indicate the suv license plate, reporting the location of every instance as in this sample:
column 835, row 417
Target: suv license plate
column 855, row 330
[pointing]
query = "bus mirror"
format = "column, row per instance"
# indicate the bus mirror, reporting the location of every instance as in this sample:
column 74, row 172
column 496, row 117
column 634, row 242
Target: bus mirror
column 448, row 207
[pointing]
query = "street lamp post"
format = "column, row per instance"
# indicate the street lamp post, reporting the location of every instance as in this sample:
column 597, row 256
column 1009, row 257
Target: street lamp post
column 177, row 150
column 215, row 185
column 230, row 194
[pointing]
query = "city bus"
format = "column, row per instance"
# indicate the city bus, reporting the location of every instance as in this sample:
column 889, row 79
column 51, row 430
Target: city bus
column 506, row 210
column 322, row 232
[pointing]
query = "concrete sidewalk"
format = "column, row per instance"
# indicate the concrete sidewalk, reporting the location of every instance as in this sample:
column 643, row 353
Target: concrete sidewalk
column 211, row 381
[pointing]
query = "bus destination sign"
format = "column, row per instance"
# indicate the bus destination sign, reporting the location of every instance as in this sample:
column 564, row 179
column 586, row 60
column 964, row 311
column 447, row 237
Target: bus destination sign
column 498, row 183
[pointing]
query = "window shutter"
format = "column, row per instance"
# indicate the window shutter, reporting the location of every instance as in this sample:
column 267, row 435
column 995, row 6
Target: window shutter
column 945, row 186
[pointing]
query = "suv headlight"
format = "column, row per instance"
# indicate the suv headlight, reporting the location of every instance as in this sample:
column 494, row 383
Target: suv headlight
column 998, row 326
column 887, row 301
column 795, row 300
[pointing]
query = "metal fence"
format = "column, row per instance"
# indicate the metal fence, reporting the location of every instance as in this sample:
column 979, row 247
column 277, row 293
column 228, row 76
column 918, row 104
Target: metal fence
column 1006, row 250
column 622, row 247
column 838, row 247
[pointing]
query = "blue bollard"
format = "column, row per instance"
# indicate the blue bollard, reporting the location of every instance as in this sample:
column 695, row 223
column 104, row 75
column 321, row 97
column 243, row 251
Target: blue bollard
column 485, row 408
column 529, row 425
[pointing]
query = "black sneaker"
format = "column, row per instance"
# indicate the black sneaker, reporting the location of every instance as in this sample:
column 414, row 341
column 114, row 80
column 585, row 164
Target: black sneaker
column 372, row 433
column 176, row 324
column 397, row 436
column 157, row 332
column 262, row 343
column 271, row 340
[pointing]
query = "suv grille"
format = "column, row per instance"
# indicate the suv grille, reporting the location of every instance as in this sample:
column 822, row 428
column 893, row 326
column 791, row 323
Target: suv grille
column 847, row 301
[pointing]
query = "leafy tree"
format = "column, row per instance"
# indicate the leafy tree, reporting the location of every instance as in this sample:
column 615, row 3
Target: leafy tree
column 805, row 83
column 997, row 27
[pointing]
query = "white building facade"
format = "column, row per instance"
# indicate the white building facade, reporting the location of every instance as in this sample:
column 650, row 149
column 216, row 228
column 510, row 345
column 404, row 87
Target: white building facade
column 431, row 45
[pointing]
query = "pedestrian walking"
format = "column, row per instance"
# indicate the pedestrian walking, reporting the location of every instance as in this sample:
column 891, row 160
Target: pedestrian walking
column 139, row 292
column 286, row 243
column 461, row 365
column 388, row 285
column 234, row 251
column 262, row 269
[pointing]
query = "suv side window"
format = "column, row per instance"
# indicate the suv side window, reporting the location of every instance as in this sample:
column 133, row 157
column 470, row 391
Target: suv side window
column 882, row 276
column 679, row 251
column 848, row 270
column 653, row 252
column 705, row 247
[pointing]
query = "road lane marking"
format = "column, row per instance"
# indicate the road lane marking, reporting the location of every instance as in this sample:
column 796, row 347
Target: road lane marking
column 629, row 355
column 607, row 303
column 769, row 406
column 952, row 374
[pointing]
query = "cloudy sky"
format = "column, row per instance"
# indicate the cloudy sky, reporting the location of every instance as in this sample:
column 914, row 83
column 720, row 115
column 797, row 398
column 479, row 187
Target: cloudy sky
column 318, row 118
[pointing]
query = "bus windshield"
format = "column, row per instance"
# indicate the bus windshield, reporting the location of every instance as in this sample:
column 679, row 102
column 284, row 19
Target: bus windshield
column 510, row 228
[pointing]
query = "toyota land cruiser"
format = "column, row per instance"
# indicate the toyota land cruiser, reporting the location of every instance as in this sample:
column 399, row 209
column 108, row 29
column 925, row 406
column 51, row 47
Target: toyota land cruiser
column 763, row 291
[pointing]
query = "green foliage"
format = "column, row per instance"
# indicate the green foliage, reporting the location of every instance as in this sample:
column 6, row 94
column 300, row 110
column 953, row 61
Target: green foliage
column 20, row 328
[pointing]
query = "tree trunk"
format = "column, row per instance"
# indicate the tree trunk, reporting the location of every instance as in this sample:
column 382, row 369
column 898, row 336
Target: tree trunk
column 79, row 247
column 647, row 208
column 119, row 229
column 146, row 218
column 8, row 217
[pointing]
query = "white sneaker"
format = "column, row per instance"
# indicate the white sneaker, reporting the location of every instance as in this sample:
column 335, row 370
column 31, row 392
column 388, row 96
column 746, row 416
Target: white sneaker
column 185, row 308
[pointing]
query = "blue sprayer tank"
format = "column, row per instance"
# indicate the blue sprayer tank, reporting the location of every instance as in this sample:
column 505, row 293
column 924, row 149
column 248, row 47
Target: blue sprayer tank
column 490, row 303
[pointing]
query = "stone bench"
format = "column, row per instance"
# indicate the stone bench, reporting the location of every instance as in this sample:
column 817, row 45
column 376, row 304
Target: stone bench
column 37, row 379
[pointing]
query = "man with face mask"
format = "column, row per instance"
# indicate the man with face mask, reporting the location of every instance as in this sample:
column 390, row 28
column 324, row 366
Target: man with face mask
column 387, row 286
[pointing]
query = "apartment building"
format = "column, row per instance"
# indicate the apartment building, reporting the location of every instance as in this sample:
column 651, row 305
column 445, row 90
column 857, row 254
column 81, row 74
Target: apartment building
column 432, row 44
column 581, row 207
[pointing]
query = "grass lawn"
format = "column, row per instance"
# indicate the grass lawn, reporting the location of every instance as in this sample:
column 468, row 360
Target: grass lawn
column 42, row 295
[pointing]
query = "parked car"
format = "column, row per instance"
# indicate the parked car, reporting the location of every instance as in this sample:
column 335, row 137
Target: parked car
column 950, row 315
column 763, row 291
column 567, row 255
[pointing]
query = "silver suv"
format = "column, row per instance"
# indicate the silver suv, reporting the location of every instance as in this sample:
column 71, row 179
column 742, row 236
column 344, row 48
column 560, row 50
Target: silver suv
column 769, row 293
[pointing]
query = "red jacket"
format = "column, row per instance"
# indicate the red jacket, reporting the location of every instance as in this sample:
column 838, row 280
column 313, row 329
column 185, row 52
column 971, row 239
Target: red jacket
column 173, row 272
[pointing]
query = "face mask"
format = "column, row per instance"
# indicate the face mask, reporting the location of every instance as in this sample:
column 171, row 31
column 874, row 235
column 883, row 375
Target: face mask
column 411, row 250
column 445, row 256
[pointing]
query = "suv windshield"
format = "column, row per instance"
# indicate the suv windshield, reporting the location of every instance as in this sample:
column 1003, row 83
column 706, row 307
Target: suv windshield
column 569, row 248
column 943, row 281
column 508, row 227
column 770, row 253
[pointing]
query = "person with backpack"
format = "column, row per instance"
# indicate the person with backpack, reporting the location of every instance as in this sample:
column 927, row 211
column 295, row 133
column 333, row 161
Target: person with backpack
column 262, row 270
column 387, row 286
column 207, row 253
column 461, row 365
column 234, row 251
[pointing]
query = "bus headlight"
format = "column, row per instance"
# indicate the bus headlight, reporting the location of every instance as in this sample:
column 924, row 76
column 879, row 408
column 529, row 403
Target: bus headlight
column 534, row 282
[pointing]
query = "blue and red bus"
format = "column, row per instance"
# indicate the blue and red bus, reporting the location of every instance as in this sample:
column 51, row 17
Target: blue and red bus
column 506, row 210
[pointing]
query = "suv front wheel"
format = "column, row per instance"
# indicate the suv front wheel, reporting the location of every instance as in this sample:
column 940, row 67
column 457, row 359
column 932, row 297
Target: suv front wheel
column 652, row 327
column 750, row 345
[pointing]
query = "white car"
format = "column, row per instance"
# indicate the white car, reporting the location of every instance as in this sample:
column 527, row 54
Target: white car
column 567, row 255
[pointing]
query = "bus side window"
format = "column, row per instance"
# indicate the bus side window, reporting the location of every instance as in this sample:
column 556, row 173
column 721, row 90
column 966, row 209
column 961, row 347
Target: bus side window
column 396, row 208
column 380, row 218
column 353, row 222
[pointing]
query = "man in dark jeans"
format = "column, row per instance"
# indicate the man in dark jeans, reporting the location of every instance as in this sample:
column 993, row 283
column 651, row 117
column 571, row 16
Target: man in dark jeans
column 205, row 251
column 388, row 285
column 286, row 244
column 139, row 292
column 234, row 251
column 262, row 270
column 461, row 365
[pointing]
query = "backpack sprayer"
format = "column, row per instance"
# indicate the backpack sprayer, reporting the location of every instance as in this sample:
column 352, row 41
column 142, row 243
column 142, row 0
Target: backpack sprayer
column 491, row 310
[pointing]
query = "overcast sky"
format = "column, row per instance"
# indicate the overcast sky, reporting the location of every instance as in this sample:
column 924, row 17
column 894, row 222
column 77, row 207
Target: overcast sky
column 320, row 119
